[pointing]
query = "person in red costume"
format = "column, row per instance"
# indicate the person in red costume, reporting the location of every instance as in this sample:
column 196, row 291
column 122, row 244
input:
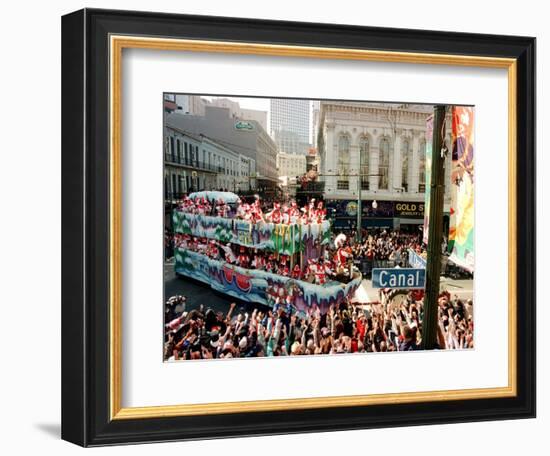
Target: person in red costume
column 343, row 255
column 320, row 213
column 256, row 209
column 320, row 274
column 258, row 262
column 296, row 272
column 284, row 270
column 243, row 258
column 294, row 212
column 275, row 216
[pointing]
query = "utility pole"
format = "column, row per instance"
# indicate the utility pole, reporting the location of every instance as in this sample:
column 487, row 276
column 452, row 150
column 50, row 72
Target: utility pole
column 359, row 203
column 435, row 228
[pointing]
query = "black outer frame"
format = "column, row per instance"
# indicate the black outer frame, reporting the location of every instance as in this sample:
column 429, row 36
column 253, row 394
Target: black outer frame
column 85, row 227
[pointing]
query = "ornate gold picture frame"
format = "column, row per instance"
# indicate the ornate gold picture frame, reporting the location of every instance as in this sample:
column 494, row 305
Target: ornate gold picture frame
column 93, row 44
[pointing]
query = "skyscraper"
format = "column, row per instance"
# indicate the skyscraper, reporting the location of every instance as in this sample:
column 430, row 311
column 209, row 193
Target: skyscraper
column 290, row 125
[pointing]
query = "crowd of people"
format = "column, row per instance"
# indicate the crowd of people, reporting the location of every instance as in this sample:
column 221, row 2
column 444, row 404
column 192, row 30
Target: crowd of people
column 392, row 324
column 387, row 245
column 256, row 211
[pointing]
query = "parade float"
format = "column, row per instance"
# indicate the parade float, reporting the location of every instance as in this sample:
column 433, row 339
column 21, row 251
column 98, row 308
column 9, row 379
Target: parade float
column 299, row 243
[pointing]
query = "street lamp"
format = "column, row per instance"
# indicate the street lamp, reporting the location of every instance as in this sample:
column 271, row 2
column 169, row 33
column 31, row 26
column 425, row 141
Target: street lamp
column 374, row 205
column 359, row 199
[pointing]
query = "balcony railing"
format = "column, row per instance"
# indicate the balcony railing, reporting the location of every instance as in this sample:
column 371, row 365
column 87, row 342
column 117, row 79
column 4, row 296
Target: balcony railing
column 186, row 161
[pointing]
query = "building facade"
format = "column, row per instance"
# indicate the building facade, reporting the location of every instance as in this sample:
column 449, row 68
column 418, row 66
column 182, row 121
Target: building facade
column 195, row 163
column 291, row 165
column 378, row 150
column 312, row 160
column 185, row 169
column 246, row 138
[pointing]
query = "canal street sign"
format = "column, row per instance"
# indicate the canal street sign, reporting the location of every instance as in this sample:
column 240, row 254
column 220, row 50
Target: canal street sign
column 400, row 278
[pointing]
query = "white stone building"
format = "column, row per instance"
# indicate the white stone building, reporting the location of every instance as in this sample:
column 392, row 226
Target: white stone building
column 290, row 165
column 382, row 145
column 196, row 162
column 379, row 146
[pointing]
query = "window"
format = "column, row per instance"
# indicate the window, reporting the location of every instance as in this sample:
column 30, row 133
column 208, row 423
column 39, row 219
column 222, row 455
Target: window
column 174, row 186
column 343, row 162
column 422, row 168
column 181, row 185
column 364, row 148
column 342, row 185
column 384, row 164
column 405, row 150
column 172, row 147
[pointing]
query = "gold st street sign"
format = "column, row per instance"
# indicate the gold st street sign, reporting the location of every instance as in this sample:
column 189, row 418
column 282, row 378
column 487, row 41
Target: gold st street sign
column 409, row 210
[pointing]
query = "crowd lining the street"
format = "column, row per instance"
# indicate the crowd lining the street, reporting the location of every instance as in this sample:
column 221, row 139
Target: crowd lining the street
column 392, row 324
column 387, row 245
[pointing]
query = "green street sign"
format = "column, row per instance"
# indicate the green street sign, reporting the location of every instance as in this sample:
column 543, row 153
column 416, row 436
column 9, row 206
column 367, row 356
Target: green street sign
column 244, row 125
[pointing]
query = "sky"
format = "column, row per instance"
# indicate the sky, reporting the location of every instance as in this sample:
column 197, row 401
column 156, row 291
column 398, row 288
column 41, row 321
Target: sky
column 261, row 104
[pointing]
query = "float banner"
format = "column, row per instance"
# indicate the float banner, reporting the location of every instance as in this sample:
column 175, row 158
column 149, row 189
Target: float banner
column 262, row 287
column 461, row 226
column 280, row 238
column 428, row 174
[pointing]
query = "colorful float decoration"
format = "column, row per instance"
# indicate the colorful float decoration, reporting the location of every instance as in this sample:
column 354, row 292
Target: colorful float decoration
column 299, row 244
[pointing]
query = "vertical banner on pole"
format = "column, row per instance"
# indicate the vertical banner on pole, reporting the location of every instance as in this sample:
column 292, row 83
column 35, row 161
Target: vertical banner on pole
column 461, row 229
column 428, row 174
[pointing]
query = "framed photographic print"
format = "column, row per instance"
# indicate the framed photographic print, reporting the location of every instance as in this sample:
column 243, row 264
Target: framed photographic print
column 275, row 227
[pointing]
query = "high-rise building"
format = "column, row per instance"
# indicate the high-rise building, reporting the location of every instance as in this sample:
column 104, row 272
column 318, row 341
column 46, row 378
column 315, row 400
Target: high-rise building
column 315, row 107
column 290, row 125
